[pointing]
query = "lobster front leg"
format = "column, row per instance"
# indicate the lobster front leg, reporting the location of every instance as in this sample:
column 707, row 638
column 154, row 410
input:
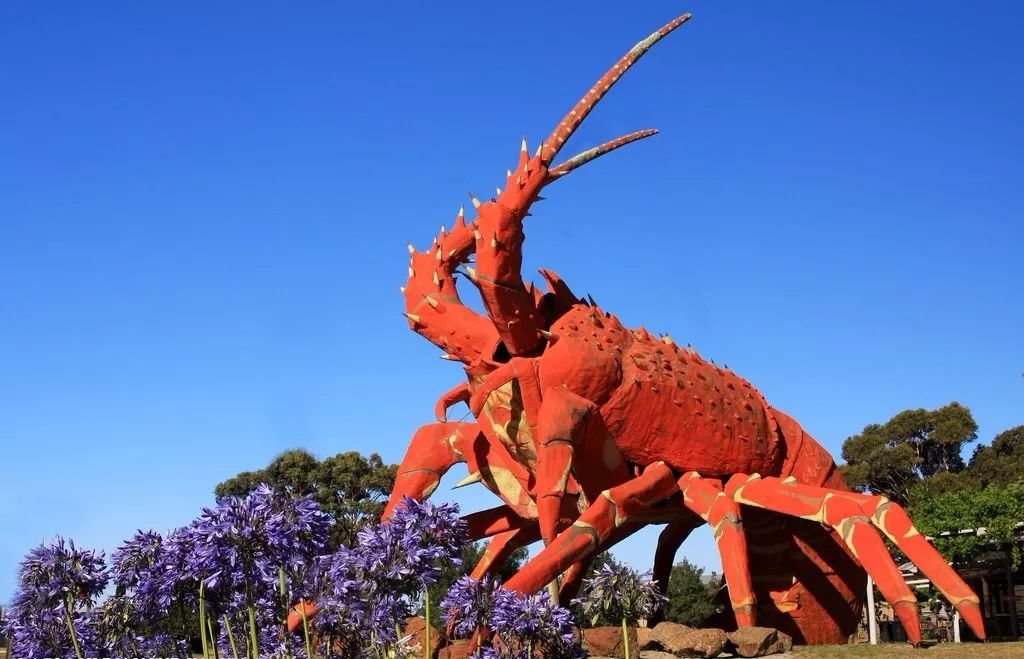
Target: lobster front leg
column 454, row 396
column 616, row 508
column 571, row 437
column 434, row 449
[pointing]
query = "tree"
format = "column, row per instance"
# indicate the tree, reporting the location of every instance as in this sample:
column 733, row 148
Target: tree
column 1001, row 463
column 349, row 486
column 690, row 600
column 888, row 459
column 997, row 509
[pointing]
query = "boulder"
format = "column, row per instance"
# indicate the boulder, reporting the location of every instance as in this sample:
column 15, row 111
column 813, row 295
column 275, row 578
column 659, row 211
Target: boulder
column 759, row 641
column 667, row 634
column 646, row 639
column 698, row 643
column 456, row 650
column 656, row 654
column 607, row 641
column 417, row 627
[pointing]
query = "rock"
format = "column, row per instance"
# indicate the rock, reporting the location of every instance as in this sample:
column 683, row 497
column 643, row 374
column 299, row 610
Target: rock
column 667, row 634
column 607, row 641
column 456, row 650
column 759, row 641
column 699, row 643
column 417, row 627
column 646, row 639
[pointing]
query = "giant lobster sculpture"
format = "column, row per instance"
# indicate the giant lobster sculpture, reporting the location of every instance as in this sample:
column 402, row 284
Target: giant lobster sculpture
column 588, row 431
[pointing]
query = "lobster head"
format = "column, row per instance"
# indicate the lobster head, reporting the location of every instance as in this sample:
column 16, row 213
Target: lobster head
column 517, row 316
column 524, row 183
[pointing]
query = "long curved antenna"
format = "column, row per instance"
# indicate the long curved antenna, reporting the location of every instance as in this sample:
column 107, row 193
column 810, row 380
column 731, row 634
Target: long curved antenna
column 558, row 137
column 581, row 159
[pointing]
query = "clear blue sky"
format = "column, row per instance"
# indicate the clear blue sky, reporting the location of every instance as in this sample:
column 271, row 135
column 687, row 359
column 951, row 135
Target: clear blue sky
column 204, row 212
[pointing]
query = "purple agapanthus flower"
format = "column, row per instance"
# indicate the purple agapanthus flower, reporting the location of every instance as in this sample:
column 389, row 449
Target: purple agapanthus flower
column 411, row 546
column 123, row 632
column 342, row 597
column 619, row 592
column 526, row 622
column 486, row 652
column 527, row 625
column 251, row 538
column 57, row 584
column 469, row 604
column 133, row 562
column 400, row 558
column 234, row 551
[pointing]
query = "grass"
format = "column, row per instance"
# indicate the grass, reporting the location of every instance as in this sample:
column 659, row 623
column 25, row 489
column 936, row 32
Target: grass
column 897, row 650
column 893, row 651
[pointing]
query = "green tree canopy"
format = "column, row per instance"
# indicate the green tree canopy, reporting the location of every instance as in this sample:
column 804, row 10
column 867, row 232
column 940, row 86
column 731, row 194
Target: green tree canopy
column 1002, row 463
column 349, row 486
column 888, row 459
column 691, row 600
column 998, row 509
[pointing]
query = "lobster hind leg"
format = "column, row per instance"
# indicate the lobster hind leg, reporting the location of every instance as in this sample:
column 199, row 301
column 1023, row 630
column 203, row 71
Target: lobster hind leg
column 854, row 517
column 669, row 541
column 706, row 498
column 615, row 508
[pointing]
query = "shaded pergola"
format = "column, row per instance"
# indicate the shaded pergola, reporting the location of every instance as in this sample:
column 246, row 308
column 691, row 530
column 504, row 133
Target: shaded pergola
column 997, row 584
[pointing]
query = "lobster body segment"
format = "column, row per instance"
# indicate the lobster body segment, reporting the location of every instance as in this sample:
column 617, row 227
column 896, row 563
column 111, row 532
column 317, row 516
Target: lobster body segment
column 588, row 431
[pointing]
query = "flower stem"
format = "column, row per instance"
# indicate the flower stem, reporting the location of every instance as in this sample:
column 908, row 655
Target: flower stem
column 426, row 629
column 254, row 642
column 71, row 626
column 305, row 630
column 213, row 638
column 625, row 638
column 284, row 603
column 231, row 637
column 202, row 618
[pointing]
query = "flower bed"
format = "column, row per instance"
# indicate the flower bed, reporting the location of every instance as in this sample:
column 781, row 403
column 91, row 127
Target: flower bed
column 224, row 585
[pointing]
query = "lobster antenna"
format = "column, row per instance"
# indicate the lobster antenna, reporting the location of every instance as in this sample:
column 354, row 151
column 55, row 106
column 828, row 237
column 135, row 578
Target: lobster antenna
column 553, row 144
column 581, row 159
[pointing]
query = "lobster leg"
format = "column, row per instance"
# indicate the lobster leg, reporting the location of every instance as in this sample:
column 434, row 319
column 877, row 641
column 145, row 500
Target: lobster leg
column 572, row 580
column 455, row 395
column 570, row 429
column 705, row 497
column 500, row 548
column 434, row 449
column 615, row 508
column 669, row 541
column 854, row 517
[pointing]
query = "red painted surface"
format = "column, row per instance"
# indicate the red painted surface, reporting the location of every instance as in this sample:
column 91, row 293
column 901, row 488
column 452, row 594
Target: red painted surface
column 588, row 431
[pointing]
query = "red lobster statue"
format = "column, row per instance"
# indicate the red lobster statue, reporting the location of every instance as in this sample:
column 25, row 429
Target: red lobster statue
column 588, row 431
